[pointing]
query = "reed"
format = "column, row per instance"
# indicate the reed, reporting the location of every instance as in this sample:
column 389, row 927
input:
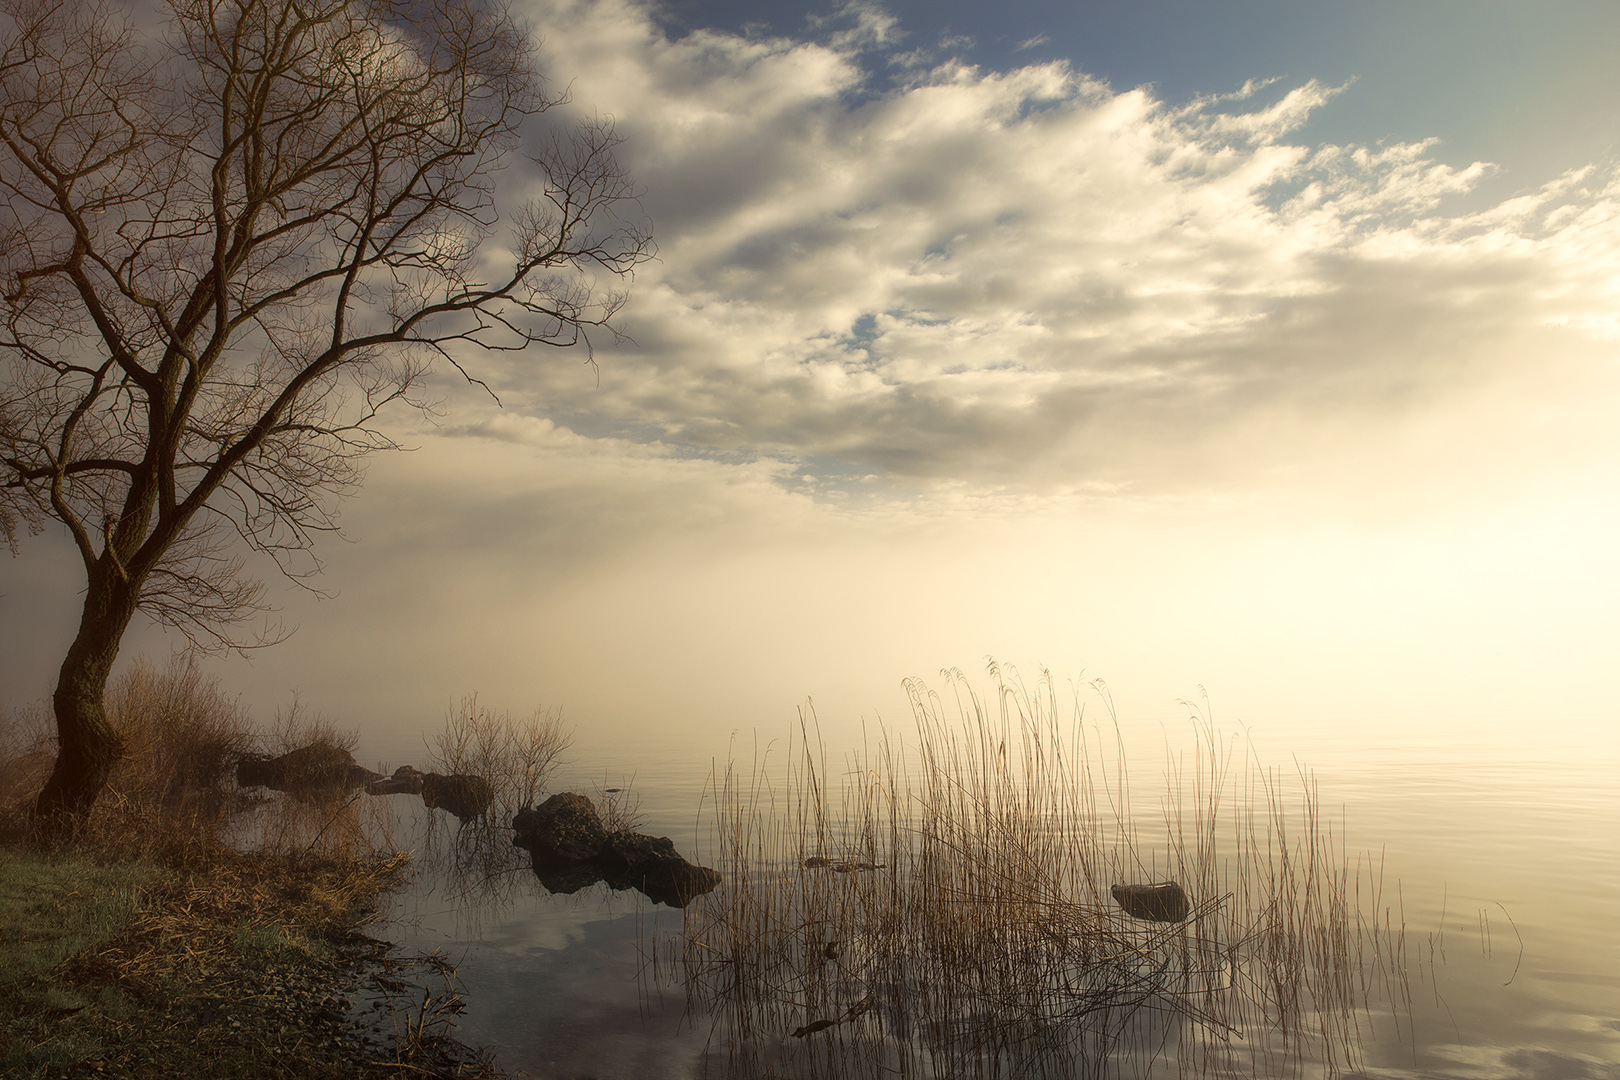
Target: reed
column 325, row 822
column 946, row 910
column 171, row 794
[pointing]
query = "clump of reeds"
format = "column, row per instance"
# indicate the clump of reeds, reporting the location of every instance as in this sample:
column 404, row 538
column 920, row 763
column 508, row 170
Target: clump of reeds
column 172, row 796
column 330, row 821
column 948, row 912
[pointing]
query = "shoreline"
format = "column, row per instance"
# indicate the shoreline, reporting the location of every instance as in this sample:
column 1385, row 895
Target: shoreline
column 251, row 966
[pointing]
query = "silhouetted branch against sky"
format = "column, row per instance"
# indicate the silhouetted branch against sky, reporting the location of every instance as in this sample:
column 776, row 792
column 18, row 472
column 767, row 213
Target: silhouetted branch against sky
column 234, row 242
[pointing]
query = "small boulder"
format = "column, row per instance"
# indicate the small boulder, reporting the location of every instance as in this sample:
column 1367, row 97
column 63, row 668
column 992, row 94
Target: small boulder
column 1163, row 902
column 463, row 794
column 650, row 863
column 669, row 880
column 570, row 849
column 316, row 769
column 407, row 780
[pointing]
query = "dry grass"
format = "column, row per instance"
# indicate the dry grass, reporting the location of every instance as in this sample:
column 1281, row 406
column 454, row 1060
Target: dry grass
column 327, row 822
column 966, row 926
column 239, row 969
column 172, row 795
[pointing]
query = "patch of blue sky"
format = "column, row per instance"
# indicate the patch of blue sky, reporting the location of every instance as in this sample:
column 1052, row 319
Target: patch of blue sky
column 1531, row 88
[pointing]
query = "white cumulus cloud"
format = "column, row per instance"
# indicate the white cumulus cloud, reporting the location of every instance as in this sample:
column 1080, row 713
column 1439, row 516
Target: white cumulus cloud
column 1028, row 278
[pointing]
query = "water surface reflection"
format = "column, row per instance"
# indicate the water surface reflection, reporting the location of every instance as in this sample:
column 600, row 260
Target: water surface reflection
column 1474, row 856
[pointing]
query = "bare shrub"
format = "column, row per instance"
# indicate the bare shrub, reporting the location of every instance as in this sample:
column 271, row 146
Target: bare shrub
column 515, row 755
column 620, row 808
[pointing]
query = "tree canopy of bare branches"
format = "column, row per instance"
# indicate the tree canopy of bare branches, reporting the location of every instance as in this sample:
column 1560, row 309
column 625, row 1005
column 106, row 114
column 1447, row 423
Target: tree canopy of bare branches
column 225, row 247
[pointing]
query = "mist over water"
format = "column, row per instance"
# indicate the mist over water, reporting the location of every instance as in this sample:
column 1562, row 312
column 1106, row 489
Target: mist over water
column 1503, row 867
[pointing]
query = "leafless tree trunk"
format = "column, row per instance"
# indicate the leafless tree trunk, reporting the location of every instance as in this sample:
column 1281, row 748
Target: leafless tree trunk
column 224, row 250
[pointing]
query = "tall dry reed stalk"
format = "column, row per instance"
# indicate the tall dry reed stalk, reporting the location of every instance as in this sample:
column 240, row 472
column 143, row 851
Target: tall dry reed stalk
column 948, row 913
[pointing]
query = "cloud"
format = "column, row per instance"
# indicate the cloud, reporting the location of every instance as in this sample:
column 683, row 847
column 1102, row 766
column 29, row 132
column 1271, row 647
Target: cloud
column 1027, row 278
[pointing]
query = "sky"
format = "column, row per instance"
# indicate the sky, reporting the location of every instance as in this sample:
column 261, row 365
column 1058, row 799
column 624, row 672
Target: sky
column 1262, row 350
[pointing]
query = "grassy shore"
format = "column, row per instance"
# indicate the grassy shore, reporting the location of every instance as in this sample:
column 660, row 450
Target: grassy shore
column 243, row 968
column 194, row 930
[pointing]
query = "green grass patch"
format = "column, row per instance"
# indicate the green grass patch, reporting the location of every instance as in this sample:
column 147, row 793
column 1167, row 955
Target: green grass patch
column 55, row 907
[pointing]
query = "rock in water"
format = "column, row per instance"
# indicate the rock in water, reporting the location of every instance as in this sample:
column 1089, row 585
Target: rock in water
column 631, row 860
column 313, row 770
column 407, row 780
column 564, row 828
column 571, row 849
column 1164, row 902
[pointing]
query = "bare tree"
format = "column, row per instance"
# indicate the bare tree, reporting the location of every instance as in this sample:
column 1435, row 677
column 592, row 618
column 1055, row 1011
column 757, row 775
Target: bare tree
column 224, row 249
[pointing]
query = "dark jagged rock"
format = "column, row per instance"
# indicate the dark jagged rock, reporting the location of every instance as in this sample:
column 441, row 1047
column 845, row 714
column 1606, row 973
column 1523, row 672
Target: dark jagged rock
column 1164, row 902
column 316, row 769
column 650, row 863
column 463, row 794
column 570, row 848
column 564, row 828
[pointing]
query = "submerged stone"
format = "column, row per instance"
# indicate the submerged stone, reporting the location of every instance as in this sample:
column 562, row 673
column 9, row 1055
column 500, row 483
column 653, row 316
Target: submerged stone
column 840, row 866
column 463, row 794
column 309, row 770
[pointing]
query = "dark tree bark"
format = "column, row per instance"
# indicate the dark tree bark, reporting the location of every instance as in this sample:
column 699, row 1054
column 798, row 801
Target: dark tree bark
column 88, row 745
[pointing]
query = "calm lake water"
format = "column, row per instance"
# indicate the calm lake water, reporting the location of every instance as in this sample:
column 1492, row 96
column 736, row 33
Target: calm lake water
column 1505, row 872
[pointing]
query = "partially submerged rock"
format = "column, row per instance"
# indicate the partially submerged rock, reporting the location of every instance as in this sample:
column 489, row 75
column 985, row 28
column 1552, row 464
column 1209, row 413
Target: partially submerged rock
column 840, row 866
column 650, row 863
column 570, row 848
column 1162, row 902
column 463, row 794
column 317, row 769
column 406, row 780
column 564, row 828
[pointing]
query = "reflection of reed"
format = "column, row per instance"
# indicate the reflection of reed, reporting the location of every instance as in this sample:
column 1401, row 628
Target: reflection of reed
column 951, row 915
